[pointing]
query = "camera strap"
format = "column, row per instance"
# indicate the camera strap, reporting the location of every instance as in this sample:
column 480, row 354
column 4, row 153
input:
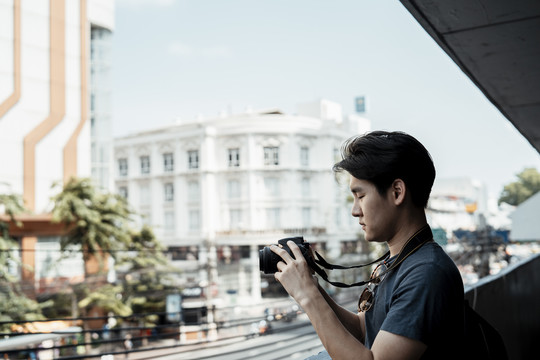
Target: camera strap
column 414, row 243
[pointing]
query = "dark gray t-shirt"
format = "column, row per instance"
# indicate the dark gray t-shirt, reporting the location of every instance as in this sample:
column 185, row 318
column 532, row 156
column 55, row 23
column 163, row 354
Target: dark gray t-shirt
column 421, row 299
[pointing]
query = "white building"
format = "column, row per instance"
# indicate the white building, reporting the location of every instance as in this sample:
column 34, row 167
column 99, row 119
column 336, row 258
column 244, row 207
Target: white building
column 525, row 224
column 462, row 203
column 240, row 182
column 45, row 92
column 52, row 74
column 456, row 203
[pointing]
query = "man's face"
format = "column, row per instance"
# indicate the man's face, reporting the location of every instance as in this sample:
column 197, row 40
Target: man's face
column 375, row 212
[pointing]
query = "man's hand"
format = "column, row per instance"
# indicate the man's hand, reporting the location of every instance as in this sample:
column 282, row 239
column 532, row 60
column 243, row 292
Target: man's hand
column 294, row 273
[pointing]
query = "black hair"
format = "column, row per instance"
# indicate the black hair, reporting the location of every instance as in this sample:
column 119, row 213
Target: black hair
column 381, row 157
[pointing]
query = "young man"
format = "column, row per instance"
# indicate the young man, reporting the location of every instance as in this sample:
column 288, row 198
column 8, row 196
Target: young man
column 414, row 310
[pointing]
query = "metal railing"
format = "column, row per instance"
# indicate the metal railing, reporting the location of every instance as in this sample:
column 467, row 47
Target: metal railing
column 509, row 300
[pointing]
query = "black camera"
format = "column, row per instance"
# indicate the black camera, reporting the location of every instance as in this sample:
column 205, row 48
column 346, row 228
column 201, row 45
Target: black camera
column 268, row 259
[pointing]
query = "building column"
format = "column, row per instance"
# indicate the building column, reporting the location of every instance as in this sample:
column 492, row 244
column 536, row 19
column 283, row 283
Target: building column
column 28, row 260
column 255, row 273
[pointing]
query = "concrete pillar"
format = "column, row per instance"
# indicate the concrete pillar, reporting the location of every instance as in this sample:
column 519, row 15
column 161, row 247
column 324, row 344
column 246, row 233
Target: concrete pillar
column 255, row 273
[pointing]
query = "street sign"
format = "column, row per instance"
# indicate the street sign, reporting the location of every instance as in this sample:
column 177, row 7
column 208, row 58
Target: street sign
column 174, row 307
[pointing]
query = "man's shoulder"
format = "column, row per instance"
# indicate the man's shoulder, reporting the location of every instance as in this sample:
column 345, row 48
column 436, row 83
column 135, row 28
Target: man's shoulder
column 432, row 260
column 429, row 253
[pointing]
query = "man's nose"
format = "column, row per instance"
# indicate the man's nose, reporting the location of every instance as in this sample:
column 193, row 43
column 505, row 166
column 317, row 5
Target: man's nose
column 356, row 211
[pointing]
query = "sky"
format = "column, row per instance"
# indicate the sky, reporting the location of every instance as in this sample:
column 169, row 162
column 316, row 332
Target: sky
column 178, row 59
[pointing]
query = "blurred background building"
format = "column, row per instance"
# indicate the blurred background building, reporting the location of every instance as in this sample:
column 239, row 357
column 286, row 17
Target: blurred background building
column 234, row 183
column 54, row 111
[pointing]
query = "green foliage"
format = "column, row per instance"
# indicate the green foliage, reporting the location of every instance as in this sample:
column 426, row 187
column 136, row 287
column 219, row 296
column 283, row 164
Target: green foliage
column 11, row 206
column 109, row 298
column 147, row 249
column 15, row 307
column 62, row 301
column 97, row 222
column 146, row 274
column 527, row 185
column 7, row 258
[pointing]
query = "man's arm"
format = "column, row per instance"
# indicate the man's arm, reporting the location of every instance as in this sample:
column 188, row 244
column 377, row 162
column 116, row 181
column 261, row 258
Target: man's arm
column 354, row 323
column 295, row 276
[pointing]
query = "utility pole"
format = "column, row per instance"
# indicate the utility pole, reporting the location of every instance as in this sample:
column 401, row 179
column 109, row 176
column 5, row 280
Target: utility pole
column 211, row 274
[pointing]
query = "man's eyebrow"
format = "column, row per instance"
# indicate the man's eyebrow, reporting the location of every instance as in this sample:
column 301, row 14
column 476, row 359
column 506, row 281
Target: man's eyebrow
column 357, row 189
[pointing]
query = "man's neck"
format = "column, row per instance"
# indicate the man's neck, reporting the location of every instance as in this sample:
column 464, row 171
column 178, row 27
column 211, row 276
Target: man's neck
column 403, row 233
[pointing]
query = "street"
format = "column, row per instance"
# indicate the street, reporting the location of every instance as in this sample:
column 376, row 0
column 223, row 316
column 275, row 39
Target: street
column 285, row 342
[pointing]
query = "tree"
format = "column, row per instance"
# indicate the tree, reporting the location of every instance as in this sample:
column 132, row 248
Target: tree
column 527, row 185
column 97, row 222
column 14, row 305
column 146, row 274
column 11, row 206
column 96, row 225
column 107, row 298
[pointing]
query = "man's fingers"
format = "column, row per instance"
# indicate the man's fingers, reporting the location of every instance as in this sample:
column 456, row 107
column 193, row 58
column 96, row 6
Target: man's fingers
column 280, row 265
column 295, row 250
column 281, row 253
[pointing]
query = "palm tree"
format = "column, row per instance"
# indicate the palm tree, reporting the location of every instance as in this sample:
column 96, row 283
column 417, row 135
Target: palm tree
column 14, row 305
column 96, row 223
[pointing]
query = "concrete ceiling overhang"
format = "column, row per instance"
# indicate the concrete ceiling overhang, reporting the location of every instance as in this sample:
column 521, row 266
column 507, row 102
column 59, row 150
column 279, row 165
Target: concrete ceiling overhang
column 497, row 44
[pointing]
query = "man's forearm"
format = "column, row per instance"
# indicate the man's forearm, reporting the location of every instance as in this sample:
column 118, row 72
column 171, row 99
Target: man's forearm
column 339, row 341
column 350, row 320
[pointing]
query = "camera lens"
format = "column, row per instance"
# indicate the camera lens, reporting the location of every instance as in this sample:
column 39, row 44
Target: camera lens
column 268, row 260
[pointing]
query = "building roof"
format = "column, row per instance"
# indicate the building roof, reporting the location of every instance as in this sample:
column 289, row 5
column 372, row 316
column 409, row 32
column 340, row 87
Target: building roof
column 34, row 225
column 496, row 44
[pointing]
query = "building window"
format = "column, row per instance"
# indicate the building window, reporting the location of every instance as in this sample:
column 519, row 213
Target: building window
column 193, row 191
column 168, row 221
column 273, row 218
column 168, row 162
column 234, row 157
column 271, row 155
column 194, row 220
column 271, row 186
column 193, row 159
column 235, row 218
column 123, row 167
column 233, row 189
column 169, row 191
column 306, row 187
column 145, row 164
column 304, row 156
column 123, row 191
column 146, row 218
column 144, row 192
column 306, row 217
column 184, row 252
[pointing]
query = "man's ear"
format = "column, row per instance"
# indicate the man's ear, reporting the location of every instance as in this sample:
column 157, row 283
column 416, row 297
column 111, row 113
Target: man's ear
column 399, row 190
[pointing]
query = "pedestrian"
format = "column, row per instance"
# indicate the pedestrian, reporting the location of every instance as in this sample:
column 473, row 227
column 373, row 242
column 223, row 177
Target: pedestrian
column 413, row 306
column 128, row 344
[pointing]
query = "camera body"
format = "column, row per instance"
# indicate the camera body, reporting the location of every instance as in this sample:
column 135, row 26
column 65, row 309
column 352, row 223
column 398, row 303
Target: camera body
column 268, row 259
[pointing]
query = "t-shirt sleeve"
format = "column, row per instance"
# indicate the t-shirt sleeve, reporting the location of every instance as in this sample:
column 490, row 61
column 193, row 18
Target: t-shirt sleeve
column 420, row 296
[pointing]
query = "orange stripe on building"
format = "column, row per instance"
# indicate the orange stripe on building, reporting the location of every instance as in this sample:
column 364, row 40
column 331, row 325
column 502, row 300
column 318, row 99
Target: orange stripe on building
column 70, row 150
column 10, row 101
column 57, row 99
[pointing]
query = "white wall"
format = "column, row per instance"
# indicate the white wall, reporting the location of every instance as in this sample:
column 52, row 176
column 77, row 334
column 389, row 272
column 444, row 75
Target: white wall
column 250, row 133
